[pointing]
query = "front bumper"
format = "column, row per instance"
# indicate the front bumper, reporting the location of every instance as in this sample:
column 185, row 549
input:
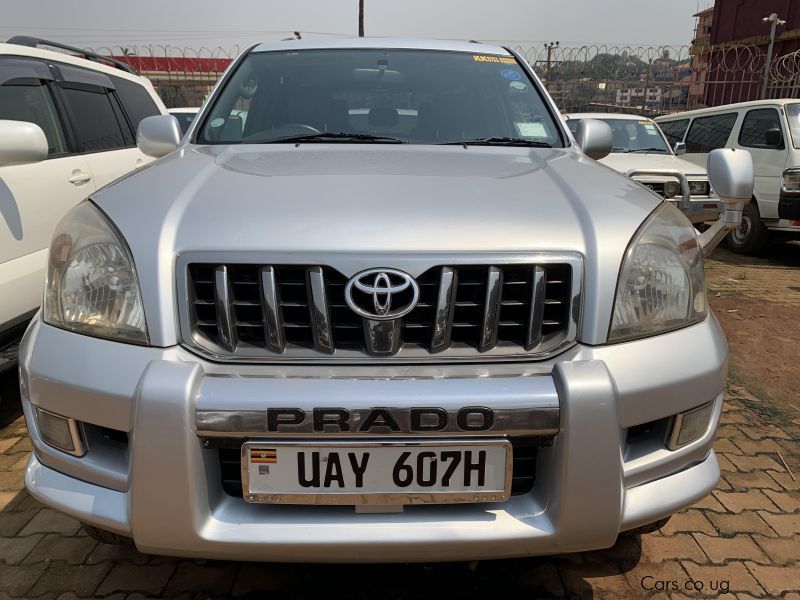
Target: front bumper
column 162, row 486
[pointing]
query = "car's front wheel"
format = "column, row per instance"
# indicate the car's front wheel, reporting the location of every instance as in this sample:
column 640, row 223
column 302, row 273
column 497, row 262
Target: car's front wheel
column 751, row 235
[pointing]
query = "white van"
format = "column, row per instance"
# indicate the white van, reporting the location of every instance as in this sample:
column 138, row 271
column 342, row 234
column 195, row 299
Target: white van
column 67, row 128
column 770, row 131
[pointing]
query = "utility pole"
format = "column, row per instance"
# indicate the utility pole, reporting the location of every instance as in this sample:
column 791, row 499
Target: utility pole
column 775, row 21
column 550, row 46
column 360, row 18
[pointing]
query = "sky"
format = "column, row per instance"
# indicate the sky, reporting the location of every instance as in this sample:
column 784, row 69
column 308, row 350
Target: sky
column 238, row 23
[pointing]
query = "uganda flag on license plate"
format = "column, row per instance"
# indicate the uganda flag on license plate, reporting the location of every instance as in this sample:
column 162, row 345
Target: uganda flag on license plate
column 263, row 457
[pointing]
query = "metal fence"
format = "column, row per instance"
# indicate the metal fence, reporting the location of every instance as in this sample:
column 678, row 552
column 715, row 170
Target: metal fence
column 598, row 78
column 659, row 80
column 181, row 76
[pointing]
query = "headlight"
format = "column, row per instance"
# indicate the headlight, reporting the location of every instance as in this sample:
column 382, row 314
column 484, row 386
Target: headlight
column 790, row 181
column 661, row 284
column 91, row 284
column 698, row 188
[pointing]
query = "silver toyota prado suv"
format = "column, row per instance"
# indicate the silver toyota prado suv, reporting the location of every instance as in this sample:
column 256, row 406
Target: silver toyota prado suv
column 378, row 304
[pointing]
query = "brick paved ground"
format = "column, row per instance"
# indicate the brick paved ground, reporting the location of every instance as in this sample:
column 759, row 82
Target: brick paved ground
column 744, row 538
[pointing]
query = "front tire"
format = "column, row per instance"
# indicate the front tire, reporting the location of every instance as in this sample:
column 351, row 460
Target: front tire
column 751, row 235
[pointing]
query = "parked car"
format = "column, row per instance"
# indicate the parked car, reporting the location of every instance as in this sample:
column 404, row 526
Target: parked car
column 465, row 339
column 640, row 151
column 770, row 131
column 67, row 128
column 185, row 116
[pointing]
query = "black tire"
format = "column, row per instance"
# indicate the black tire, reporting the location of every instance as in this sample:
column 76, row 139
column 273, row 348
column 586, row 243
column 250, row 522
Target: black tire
column 751, row 236
column 107, row 537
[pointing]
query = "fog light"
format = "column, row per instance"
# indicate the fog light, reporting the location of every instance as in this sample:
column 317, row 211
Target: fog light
column 60, row 432
column 672, row 189
column 689, row 426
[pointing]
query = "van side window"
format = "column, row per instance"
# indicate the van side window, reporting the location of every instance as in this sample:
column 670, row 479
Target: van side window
column 755, row 125
column 96, row 121
column 709, row 133
column 674, row 130
column 29, row 100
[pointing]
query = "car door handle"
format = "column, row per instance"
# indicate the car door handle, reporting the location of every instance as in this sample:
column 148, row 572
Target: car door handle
column 79, row 177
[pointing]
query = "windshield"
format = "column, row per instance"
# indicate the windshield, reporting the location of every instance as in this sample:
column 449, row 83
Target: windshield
column 410, row 96
column 632, row 135
column 793, row 114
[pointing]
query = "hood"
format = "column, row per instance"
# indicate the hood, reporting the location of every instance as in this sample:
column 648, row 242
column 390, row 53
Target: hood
column 624, row 162
column 369, row 200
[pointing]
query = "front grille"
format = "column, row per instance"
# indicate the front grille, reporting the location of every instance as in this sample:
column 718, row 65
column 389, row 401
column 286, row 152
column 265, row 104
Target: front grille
column 252, row 311
column 523, row 474
column 657, row 187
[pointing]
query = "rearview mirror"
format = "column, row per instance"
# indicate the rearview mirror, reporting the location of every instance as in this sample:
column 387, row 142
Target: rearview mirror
column 21, row 143
column 594, row 137
column 679, row 147
column 773, row 137
column 158, row 135
column 730, row 173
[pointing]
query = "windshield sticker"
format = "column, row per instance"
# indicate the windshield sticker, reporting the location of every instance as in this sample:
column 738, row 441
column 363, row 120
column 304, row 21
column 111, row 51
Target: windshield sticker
column 650, row 129
column 518, row 85
column 511, row 74
column 218, row 122
column 508, row 60
column 531, row 129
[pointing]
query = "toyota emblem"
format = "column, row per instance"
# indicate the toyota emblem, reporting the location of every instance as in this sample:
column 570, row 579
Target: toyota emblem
column 381, row 294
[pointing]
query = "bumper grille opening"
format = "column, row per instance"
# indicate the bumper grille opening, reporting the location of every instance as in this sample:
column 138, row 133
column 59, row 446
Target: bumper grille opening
column 523, row 475
column 256, row 311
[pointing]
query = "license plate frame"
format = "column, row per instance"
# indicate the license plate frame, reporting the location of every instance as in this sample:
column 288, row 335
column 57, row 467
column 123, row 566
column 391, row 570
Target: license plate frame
column 377, row 498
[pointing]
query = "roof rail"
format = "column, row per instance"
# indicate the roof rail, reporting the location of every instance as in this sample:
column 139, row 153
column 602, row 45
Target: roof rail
column 34, row 42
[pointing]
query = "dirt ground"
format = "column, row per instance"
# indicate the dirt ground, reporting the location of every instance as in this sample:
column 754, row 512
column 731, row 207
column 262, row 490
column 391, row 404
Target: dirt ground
column 757, row 301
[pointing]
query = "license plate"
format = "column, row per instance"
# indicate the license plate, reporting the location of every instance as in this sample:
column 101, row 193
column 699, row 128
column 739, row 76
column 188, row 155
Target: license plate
column 409, row 472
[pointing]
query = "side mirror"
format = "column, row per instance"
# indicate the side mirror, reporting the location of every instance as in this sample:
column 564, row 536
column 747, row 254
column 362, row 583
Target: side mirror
column 158, row 135
column 774, row 138
column 730, row 173
column 679, row 147
column 21, row 143
column 595, row 138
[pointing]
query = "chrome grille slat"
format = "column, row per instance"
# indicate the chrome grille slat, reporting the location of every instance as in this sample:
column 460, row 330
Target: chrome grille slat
column 445, row 304
column 253, row 311
column 491, row 309
column 320, row 319
column 273, row 331
column 537, row 305
column 225, row 315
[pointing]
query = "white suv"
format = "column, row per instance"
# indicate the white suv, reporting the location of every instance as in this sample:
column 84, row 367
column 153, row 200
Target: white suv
column 67, row 128
column 640, row 150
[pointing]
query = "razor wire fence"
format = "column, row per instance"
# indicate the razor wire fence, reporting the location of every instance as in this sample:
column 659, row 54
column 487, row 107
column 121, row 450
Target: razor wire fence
column 649, row 80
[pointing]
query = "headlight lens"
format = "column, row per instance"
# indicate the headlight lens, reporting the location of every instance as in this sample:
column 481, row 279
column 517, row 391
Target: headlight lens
column 91, row 284
column 661, row 285
column 698, row 188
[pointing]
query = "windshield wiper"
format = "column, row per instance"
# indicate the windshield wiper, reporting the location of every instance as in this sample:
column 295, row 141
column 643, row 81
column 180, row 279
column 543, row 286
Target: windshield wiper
column 648, row 150
column 498, row 141
column 338, row 136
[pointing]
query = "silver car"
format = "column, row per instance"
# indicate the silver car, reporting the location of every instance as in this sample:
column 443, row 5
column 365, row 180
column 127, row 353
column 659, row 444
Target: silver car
column 397, row 314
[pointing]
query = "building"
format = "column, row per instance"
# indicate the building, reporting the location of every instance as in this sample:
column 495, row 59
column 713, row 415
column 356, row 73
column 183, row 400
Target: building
column 729, row 52
column 649, row 99
column 699, row 56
